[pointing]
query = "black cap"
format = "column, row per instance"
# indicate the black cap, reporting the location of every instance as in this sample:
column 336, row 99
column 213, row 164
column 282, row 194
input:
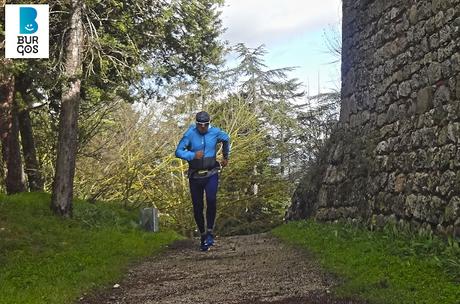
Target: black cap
column 202, row 117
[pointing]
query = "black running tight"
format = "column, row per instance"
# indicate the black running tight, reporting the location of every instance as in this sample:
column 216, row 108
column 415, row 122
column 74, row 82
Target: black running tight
column 198, row 187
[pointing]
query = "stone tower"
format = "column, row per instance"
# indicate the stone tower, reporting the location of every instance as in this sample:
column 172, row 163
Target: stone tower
column 395, row 155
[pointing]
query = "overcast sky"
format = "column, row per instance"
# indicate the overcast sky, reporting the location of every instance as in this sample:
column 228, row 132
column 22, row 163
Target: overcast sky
column 293, row 32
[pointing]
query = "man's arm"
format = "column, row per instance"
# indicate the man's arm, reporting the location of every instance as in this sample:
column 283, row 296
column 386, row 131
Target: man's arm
column 225, row 139
column 181, row 150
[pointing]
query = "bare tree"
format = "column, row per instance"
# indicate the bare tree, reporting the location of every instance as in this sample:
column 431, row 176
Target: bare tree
column 9, row 134
column 61, row 201
column 32, row 168
column 24, row 102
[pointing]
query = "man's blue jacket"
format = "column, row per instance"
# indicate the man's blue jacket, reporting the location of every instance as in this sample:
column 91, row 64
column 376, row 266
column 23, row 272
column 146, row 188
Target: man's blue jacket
column 193, row 141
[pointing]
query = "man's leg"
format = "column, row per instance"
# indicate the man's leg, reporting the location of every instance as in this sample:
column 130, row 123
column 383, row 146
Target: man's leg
column 196, row 190
column 211, row 201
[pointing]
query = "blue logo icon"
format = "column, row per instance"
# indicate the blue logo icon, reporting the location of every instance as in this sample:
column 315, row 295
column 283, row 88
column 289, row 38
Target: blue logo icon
column 27, row 23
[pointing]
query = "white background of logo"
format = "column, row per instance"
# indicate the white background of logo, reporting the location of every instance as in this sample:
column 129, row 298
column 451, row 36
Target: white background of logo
column 12, row 31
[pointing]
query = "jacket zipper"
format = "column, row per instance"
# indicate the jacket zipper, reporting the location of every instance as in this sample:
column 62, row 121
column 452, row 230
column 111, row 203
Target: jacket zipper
column 203, row 142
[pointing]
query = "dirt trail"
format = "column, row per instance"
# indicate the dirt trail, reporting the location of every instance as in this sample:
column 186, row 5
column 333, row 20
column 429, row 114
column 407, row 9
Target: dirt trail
column 241, row 269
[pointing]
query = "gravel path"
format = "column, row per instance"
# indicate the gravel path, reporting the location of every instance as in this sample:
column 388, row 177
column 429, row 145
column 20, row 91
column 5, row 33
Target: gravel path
column 240, row 269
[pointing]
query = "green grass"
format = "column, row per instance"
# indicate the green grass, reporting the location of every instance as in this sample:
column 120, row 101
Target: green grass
column 381, row 267
column 47, row 259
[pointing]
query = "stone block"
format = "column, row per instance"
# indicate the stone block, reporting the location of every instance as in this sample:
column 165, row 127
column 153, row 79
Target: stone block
column 405, row 89
column 400, row 183
column 457, row 88
column 453, row 132
column 424, row 100
column 441, row 96
column 434, row 72
column 452, row 210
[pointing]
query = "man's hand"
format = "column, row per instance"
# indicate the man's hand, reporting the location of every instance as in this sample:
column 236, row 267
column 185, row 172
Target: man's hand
column 199, row 154
column 224, row 163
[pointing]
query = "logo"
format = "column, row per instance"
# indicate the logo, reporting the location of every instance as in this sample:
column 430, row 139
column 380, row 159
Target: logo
column 27, row 20
column 26, row 31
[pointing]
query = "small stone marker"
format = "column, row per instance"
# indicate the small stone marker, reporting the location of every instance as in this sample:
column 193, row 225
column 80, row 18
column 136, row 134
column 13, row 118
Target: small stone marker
column 149, row 219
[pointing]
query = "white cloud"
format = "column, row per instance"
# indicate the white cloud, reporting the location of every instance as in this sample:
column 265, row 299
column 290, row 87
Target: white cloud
column 256, row 22
column 292, row 31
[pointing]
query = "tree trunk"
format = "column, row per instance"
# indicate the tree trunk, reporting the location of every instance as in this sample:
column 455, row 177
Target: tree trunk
column 32, row 169
column 61, row 201
column 282, row 155
column 9, row 134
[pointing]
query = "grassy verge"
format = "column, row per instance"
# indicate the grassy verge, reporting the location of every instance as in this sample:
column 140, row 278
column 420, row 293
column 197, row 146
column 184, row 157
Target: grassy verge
column 381, row 267
column 46, row 259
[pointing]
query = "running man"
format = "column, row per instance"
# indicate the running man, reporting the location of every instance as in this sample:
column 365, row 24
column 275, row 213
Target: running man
column 198, row 146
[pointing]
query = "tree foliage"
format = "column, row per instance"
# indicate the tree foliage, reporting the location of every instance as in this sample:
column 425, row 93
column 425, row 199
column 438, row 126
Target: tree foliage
column 130, row 47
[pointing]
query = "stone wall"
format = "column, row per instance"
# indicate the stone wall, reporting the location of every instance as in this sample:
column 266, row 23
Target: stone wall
column 396, row 154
